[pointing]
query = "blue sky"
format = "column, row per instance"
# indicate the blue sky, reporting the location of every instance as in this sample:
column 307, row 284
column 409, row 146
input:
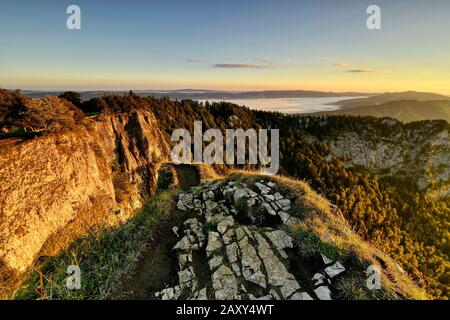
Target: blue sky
column 239, row 45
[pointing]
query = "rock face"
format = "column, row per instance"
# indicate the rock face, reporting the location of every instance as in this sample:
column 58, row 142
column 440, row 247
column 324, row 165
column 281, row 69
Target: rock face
column 400, row 152
column 55, row 184
column 239, row 232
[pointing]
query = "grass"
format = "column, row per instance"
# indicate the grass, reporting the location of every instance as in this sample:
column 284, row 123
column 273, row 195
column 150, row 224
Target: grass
column 308, row 241
column 323, row 228
column 106, row 257
column 103, row 259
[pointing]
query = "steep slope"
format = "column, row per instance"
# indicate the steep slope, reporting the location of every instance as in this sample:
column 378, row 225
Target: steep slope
column 419, row 154
column 403, row 210
column 98, row 170
column 406, row 111
column 246, row 236
column 55, row 187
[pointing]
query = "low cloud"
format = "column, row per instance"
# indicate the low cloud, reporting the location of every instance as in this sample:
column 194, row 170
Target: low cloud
column 361, row 70
column 255, row 62
column 239, row 66
column 347, row 65
column 368, row 71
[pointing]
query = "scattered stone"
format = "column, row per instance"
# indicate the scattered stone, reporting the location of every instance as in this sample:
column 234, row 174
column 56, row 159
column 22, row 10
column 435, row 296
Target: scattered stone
column 239, row 194
column 238, row 254
column 335, row 269
column 228, row 237
column 263, row 188
column 269, row 209
column 214, row 242
column 251, row 202
column 326, row 260
column 185, row 201
column 323, row 293
column 208, row 195
column 216, row 261
column 319, row 279
column 186, row 275
column 301, row 296
column 250, row 192
column 280, row 239
column 224, row 284
column 224, row 224
column 274, row 294
column 251, row 264
column 202, row 294
column 284, row 202
column 232, row 252
column 167, row 294
column 274, row 206
column 285, row 217
column 183, row 244
column 175, row 230
column 184, row 259
column 240, row 233
column 277, row 273
column 278, row 196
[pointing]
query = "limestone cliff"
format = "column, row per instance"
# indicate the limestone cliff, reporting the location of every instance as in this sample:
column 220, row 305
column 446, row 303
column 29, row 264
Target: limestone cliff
column 60, row 185
column 421, row 154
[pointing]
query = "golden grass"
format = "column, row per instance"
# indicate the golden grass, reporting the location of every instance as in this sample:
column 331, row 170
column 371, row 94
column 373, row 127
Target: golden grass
column 328, row 223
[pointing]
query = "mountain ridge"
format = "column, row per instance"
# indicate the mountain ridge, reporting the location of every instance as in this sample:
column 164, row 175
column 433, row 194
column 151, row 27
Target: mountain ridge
column 136, row 146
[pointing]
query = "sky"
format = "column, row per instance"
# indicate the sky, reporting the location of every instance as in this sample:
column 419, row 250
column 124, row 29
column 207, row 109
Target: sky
column 226, row 44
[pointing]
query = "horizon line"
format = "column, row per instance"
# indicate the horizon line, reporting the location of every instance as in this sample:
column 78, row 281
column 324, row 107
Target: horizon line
column 218, row 90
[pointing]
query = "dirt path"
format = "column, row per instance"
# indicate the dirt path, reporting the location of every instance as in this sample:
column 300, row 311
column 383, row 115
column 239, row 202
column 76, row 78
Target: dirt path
column 157, row 264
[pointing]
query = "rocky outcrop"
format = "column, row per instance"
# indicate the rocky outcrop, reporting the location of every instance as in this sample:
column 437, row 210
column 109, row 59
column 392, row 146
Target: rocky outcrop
column 59, row 185
column 240, row 233
column 400, row 152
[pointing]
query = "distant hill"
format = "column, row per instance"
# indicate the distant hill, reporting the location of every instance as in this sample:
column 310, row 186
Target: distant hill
column 202, row 94
column 406, row 111
column 388, row 97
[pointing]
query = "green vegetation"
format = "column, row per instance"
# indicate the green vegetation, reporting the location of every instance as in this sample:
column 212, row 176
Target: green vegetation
column 309, row 242
column 389, row 212
column 406, row 224
column 104, row 259
column 25, row 117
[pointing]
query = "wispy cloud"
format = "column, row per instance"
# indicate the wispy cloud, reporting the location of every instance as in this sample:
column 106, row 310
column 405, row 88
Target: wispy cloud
column 239, row 66
column 255, row 62
column 194, row 60
column 347, row 65
column 368, row 71
column 361, row 70
column 342, row 64
column 268, row 60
